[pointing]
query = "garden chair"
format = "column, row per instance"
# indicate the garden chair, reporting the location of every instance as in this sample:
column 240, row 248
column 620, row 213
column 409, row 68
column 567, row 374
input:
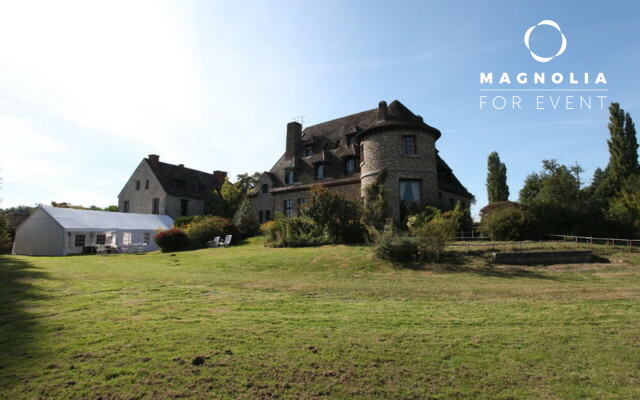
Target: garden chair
column 215, row 242
column 226, row 242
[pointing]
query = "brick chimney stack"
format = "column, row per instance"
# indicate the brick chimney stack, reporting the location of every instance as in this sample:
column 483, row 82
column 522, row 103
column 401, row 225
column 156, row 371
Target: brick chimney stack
column 294, row 140
column 382, row 111
column 219, row 176
column 154, row 160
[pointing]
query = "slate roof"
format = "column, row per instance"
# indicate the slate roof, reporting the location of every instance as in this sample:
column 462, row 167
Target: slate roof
column 447, row 181
column 197, row 184
column 329, row 141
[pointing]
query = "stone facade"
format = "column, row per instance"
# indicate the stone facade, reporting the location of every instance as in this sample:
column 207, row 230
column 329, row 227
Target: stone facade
column 161, row 188
column 346, row 154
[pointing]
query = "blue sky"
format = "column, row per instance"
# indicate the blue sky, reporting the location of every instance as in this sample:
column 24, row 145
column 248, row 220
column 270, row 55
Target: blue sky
column 88, row 89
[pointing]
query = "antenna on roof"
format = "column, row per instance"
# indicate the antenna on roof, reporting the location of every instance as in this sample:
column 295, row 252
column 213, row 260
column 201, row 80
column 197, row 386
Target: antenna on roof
column 300, row 119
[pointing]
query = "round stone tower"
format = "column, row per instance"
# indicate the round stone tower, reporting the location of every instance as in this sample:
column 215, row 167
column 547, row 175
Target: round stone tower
column 399, row 142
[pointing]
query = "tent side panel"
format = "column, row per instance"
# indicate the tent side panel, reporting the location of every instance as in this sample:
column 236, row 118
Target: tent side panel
column 39, row 235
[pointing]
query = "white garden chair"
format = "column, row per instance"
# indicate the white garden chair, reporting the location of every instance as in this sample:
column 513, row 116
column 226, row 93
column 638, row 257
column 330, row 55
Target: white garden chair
column 215, row 242
column 226, row 242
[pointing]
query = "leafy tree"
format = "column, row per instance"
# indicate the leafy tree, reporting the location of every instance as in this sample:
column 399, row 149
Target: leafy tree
column 246, row 182
column 226, row 201
column 497, row 188
column 556, row 185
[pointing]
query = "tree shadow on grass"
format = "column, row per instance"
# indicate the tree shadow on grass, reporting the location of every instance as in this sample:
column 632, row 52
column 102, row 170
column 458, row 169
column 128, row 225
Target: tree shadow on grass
column 19, row 328
column 475, row 262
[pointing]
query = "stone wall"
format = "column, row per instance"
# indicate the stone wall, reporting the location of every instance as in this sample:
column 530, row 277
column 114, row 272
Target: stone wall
column 383, row 150
column 141, row 200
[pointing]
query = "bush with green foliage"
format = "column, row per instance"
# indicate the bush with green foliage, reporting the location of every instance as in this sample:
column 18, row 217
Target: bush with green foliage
column 396, row 247
column 173, row 239
column 434, row 236
column 508, row 221
column 266, row 227
column 294, row 232
column 245, row 220
column 204, row 229
column 183, row 222
column 337, row 217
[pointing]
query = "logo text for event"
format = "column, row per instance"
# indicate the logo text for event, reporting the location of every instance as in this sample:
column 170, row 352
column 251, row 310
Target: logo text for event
column 543, row 82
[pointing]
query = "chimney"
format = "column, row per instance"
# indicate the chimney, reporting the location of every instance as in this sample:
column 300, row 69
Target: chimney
column 154, row 160
column 181, row 165
column 382, row 111
column 219, row 176
column 294, row 140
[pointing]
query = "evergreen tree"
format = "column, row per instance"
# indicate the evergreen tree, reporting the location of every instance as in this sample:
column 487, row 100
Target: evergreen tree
column 497, row 189
column 245, row 219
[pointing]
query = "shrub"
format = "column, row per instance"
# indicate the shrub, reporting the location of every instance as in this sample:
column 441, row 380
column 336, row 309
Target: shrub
column 336, row 216
column 395, row 247
column 245, row 220
column 266, row 227
column 183, row 222
column 204, row 229
column 509, row 223
column 434, row 235
column 173, row 239
column 5, row 237
column 294, row 232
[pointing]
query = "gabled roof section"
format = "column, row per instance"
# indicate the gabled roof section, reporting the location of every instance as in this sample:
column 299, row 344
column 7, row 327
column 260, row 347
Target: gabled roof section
column 448, row 182
column 179, row 181
column 335, row 129
column 89, row 220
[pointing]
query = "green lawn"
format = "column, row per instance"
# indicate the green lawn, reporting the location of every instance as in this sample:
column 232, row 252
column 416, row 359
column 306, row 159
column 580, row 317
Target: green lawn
column 326, row 322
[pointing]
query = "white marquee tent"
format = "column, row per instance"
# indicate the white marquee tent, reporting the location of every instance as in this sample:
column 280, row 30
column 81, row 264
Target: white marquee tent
column 52, row 231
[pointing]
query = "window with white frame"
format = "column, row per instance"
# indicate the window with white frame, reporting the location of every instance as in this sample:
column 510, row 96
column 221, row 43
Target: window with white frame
column 147, row 238
column 80, row 240
column 126, row 238
column 101, row 239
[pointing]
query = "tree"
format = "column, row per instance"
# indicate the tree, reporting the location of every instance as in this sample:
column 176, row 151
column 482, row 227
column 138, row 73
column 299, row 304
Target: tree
column 623, row 149
column 225, row 202
column 497, row 188
column 246, row 182
column 245, row 219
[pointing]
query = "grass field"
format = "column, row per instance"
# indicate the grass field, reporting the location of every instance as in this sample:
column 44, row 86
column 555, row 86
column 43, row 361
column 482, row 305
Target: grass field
column 250, row 322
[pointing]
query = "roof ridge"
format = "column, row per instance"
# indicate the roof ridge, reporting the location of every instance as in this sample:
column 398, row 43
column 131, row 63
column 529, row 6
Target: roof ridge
column 183, row 167
column 336, row 119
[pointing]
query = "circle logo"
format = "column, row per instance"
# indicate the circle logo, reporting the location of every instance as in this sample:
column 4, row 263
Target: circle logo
column 536, row 57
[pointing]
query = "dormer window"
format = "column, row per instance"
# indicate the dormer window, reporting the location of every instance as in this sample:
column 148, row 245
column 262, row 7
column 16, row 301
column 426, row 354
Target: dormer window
column 308, row 150
column 289, row 176
column 265, row 188
column 351, row 140
column 319, row 172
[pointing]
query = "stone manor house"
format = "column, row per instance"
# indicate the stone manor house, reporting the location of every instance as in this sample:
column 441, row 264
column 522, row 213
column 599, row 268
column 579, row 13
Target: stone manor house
column 346, row 154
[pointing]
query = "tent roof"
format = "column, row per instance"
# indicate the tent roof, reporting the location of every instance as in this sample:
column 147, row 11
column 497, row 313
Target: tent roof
column 88, row 220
